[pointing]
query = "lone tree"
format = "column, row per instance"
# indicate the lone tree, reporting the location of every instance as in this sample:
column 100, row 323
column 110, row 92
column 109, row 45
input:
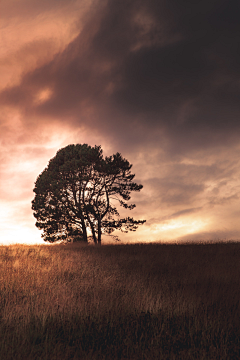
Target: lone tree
column 79, row 191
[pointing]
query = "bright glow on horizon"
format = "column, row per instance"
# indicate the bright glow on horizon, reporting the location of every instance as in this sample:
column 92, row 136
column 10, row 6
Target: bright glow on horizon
column 192, row 225
column 177, row 228
column 12, row 231
column 20, row 235
column 27, row 233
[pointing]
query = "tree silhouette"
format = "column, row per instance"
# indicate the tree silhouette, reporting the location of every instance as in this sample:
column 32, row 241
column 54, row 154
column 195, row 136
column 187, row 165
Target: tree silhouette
column 79, row 191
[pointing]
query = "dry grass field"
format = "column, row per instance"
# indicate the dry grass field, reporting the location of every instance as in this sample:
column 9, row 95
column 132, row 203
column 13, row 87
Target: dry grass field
column 120, row 302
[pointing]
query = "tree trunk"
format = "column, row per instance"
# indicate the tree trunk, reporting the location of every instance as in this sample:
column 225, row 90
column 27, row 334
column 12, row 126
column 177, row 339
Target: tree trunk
column 84, row 233
column 99, row 232
column 84, row 230
column 92, row 229
column 94, row 236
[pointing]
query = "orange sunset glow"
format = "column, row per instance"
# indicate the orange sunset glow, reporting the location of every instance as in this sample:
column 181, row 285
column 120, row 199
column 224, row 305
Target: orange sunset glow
column 157, row 81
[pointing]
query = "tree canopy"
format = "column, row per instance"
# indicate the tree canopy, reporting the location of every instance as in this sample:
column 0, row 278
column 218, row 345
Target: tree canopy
column 79, row 191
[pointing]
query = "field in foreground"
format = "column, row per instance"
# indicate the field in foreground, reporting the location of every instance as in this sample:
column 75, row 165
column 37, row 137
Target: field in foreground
column 120, row 302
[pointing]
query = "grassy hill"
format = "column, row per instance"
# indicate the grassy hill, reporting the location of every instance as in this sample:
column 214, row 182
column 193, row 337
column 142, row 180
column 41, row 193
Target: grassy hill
column 120, row 302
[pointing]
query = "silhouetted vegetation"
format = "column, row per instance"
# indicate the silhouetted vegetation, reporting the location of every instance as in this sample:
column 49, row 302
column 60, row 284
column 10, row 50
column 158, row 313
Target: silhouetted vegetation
column 78, row 191
column 120, row 302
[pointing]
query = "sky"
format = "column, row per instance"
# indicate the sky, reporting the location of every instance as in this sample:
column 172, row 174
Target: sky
column 156, row 80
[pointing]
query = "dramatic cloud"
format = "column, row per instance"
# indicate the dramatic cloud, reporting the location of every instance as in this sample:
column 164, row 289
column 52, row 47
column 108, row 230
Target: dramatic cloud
column 158, row 81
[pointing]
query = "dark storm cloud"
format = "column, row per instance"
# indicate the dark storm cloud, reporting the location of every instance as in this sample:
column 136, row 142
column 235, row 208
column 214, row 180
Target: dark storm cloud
column 145, row 69
column 184, row 184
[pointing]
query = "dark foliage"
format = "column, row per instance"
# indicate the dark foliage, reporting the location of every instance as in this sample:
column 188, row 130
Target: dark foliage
column 78, row 191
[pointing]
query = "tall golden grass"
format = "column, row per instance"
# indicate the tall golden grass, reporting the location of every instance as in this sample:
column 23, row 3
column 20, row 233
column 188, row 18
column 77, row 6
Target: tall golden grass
column 120, row 302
